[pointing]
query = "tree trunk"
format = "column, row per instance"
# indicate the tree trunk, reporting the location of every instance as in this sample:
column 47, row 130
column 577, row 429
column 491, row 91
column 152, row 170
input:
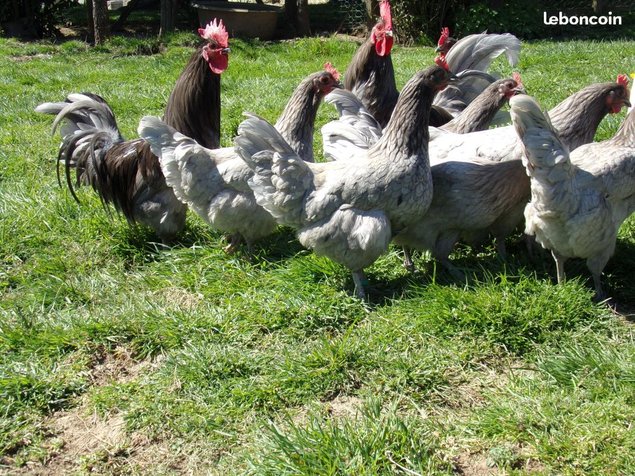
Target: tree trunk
column 297, row 13
column 304, row 27
column 168, row 16
column 100, row 17
column 90, row 22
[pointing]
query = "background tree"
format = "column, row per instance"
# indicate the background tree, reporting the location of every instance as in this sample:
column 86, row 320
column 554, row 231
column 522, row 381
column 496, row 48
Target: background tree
column 101, row 28
column 297, row 12
column 168, row 16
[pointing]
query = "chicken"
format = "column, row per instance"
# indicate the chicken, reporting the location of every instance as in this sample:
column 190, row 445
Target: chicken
column 479, row 114
column 349, row 210
column 476, row 196
column 470, row 58
column 356, row 129
column 579, row 199
column 125, row 173
column 370, row 75
column 576, row 119
column 214, row 182
column 494, row 189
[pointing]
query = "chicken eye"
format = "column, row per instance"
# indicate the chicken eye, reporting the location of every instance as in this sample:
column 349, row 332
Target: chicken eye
column 324, row 80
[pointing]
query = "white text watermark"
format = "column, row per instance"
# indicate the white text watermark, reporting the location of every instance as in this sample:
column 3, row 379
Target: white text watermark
column 593, row 20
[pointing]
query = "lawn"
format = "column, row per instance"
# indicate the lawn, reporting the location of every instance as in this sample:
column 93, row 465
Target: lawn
column 122, row 356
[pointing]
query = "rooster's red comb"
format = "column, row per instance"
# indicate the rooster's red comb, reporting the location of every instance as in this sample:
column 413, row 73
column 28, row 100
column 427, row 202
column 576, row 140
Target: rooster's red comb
column 215, row 31
column 329, row 68
column 622, row 79
column 384, row 13
column 445, row 34
column 516, row 77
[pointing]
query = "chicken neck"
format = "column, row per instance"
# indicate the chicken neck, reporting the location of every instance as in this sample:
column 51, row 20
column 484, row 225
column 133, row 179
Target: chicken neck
column 297, row 121
column 372, row 78
column 478, row 115
column 577, row 118
column 407, row 130
column 193, row 108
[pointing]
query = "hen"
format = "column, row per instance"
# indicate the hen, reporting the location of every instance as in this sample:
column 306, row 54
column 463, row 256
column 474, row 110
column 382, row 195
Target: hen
column 579, row 199
column 478, row 115
column 576, row 119
column 125, row 173
column 356, row 129
column 349, row 210
column 214, row 182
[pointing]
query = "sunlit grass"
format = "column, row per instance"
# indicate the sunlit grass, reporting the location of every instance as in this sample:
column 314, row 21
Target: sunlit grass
column 271, row 366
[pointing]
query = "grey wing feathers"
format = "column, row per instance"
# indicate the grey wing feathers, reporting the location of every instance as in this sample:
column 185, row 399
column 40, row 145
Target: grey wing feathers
column 354, row 132
column 281, row 178
column 256, row 134
column 542, row 145
column 188, row 167
column 479, row 50
column 456, row 97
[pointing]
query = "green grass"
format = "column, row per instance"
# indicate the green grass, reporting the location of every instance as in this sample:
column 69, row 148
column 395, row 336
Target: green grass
column 220, row 365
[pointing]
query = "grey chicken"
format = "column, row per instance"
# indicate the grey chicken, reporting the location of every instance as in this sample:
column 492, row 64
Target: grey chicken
column 214, row 182
column 356, row 129
column 125, row 173
column 349, row 210
column 578, row 199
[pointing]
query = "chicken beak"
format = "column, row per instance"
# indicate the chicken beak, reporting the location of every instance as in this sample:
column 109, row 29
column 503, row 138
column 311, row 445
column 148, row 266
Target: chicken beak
column 627, row 103
column 225, row 51
column 437, row 49
column 519, row 90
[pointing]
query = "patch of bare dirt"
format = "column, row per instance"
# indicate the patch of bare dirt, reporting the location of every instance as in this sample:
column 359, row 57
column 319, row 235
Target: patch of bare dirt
column 119, row 366
column 180, row 298
column 24, row 58
column 343, row 407
column 474, row 465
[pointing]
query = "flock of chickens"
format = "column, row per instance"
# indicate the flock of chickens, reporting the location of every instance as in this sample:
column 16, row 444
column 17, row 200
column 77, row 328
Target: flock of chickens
column 419, row 167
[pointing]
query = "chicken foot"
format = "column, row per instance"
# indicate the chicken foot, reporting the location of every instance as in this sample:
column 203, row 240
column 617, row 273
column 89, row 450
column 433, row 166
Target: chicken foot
column 234, row 242
column 360, row 280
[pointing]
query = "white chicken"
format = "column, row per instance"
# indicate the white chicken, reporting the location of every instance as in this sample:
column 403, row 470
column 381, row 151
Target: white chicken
column 579, row 199
column 213, row 183
column 349, row 210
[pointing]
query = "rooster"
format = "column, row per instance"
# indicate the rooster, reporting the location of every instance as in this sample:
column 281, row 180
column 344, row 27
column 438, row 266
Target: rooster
column 125, row 173
column 470, row 58
column 349, row 210
column 214, row 182
column 370, row 75
column 579, row 199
